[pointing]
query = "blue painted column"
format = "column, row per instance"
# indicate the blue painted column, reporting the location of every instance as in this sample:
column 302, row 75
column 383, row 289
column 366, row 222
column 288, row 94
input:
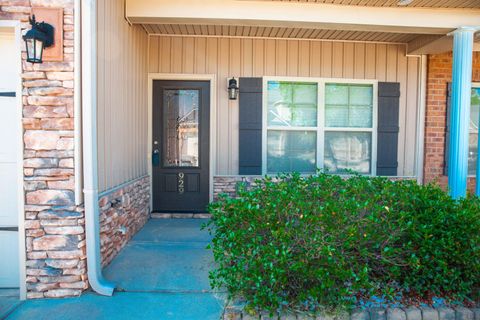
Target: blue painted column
column 460, row 111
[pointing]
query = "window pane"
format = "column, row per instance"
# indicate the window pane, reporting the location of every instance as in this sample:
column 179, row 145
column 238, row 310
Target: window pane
column 348, row 105
column 336, row 94
column 360, row 117
column 473, row 139
column 279, row 92
column 289, row 151
column 180, row 132
column 292, row 104
column 305, row 93
column 336, row 116
column 348, row 150
column 361, row 95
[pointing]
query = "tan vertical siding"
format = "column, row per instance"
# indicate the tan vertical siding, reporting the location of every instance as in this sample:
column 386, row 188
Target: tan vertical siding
column 239, row 57
column 122, row 66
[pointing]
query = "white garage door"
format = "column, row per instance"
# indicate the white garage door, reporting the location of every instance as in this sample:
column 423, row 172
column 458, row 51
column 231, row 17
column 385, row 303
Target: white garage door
column 9, row 154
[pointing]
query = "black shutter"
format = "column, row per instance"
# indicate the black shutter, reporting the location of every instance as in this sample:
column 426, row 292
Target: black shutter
column 447, row 129
column 387, row 138
column 250, row 126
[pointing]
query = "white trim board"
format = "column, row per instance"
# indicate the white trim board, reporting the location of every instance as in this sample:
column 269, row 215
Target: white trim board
column 15, row 27
column 270, row 38
column 213, row 116
column 421, row 107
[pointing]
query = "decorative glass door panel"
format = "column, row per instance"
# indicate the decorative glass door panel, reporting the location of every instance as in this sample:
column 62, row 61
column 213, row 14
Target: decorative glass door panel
column 181, row 123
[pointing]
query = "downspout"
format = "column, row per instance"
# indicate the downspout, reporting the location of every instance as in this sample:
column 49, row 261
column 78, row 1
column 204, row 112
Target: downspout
column 89, row 121
column 77, row 101
column 422, row 101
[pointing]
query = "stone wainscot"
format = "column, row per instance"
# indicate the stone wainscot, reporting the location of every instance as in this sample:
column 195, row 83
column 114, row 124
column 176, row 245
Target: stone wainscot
column 123, row 211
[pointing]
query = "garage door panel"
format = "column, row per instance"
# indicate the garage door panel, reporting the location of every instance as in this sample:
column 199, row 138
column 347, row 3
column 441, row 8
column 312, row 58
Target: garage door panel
column 10, row 158
column 9, row 123
column 9, row 274
column 8, row 195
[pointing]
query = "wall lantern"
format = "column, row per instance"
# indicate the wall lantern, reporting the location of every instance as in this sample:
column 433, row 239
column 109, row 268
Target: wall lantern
column 232, row 89
column 36, row 39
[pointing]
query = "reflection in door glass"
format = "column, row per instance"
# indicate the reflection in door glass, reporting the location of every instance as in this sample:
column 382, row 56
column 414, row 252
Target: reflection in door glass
column 180, row 130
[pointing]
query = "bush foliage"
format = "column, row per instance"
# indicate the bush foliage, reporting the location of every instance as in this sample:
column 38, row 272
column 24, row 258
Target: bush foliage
column 324, row 240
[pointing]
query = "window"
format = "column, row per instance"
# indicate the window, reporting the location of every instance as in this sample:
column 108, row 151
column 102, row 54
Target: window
column 473, row 131
column 348, row 127
column 292, row 127
column 310, row 124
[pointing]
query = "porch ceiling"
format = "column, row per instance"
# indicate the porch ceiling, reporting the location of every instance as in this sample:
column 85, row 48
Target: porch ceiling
column 394, row 3
column 343, row 20
column 276, row 32
column 302, row 15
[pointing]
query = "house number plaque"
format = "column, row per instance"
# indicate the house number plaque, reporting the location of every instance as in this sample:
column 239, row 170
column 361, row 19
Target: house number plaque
column 181, row 182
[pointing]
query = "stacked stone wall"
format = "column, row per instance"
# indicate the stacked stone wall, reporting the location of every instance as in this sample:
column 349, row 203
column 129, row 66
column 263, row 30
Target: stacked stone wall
column 229, row 184
column 54, row 225
column 123, row 212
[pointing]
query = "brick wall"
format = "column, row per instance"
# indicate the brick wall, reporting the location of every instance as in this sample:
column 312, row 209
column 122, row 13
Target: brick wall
column 123, row 212
column 439, row 74
column 55, row 236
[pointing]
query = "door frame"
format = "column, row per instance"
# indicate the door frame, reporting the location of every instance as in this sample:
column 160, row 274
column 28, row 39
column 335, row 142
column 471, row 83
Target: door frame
column 15, row 27
column 212, row 78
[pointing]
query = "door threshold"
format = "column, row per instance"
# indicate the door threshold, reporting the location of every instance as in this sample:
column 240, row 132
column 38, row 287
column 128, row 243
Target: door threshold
column 161, row 215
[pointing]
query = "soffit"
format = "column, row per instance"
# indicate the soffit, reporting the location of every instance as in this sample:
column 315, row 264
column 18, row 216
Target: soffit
column 276, row 32
column 394, row 3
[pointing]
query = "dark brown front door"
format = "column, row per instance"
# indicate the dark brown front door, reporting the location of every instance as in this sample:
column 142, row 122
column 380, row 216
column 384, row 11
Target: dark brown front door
column 181, row 134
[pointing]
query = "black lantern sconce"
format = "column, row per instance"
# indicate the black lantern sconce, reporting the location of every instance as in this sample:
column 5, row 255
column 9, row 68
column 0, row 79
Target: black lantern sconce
column 36, row 39
column 232, row 89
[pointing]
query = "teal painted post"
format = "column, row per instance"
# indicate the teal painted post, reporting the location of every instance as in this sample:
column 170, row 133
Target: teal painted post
column 460, row 111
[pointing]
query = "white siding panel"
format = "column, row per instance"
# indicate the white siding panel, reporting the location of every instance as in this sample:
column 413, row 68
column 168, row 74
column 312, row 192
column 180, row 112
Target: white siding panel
column 122, row 66
column 235, row 57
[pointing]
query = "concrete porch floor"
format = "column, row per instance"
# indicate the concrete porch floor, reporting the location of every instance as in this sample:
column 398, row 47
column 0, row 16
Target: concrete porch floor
column 9, row 300
column 162, row 273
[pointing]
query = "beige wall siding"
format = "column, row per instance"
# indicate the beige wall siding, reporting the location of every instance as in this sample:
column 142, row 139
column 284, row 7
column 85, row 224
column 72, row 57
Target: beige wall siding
column 122, row 96
column 243, row 57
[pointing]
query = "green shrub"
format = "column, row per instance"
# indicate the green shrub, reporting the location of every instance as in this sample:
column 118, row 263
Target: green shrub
column 323, row 240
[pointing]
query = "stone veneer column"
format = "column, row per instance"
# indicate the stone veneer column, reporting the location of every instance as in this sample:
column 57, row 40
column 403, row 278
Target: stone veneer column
column 55, row 236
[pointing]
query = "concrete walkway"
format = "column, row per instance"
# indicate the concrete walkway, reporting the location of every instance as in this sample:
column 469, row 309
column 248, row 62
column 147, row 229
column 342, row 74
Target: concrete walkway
column 161, row 274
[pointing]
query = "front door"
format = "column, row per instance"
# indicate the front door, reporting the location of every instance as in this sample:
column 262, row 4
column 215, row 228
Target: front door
column 181, row 134
column 10, row 148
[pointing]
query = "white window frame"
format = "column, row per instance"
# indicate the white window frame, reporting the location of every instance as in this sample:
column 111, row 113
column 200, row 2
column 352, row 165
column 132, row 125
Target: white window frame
column 475, row 85
column 320, row 128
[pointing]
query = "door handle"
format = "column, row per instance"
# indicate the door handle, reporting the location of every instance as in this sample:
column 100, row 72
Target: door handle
column 156, row 158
